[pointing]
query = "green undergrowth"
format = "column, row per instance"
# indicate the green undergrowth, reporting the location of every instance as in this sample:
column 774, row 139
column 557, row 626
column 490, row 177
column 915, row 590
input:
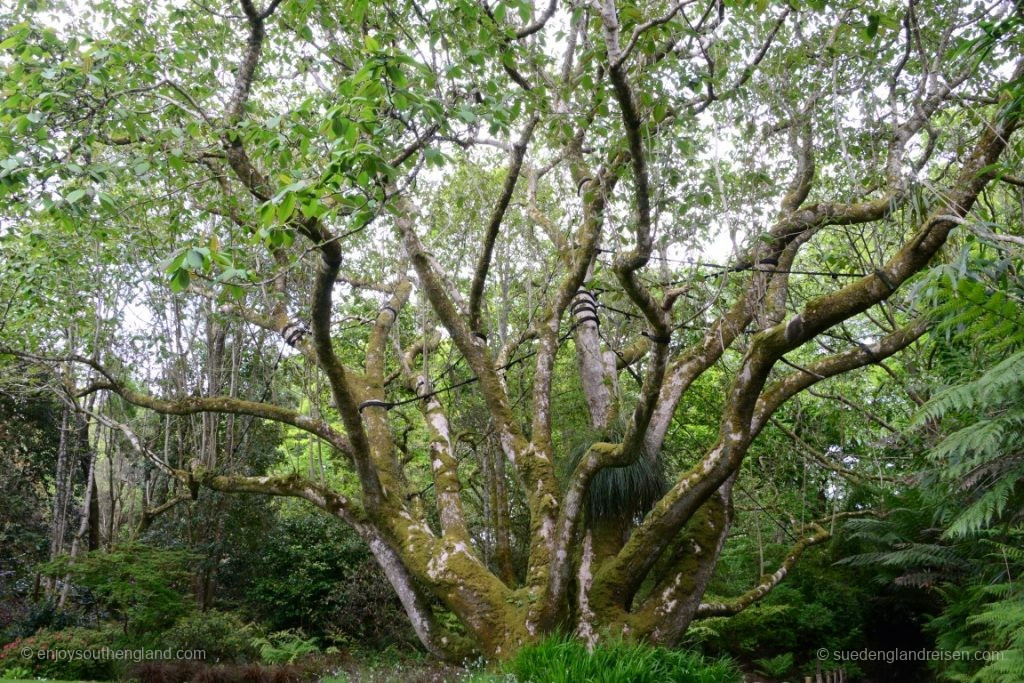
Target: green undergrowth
column 566, row 660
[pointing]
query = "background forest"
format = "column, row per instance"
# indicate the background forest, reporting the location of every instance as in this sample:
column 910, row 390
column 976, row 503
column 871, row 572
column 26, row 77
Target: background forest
column 493, row 341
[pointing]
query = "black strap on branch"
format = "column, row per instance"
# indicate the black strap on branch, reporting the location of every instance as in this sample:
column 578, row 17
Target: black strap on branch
column 480, row 335
column 584, row 301
column 657, row 339
column 769, row 261
column 870, row 354
column 391, row 308
column 583, row 306
column 579, row 185
column 294, row 331
column 375, row 403
column 885, row 280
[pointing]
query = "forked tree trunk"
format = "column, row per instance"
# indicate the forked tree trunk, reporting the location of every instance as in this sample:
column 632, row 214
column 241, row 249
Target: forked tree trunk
column 641, row 576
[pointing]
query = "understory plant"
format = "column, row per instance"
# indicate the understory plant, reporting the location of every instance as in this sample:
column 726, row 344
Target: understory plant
column 567, row 660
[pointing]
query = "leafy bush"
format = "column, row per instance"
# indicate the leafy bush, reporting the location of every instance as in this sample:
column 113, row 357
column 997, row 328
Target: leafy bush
column 16, row 673
column 818, row 606
column 33, row 616
column 224, row 636
column 145, row 587
column 566, row 660
column 316, row 575
column 77, row 638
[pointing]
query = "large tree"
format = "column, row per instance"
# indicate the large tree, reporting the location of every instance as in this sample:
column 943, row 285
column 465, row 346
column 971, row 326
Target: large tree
column 494, row 200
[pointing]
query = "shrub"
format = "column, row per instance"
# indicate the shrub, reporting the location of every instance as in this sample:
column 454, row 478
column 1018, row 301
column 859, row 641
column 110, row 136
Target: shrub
column 146, row 587
column 86, row 640
column 33, row 616
column 16, row 673
column 566, row 660
column 317, row 575
column 224, row 636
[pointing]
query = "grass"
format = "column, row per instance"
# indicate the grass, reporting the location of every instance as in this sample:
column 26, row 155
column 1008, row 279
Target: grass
column 565, row 660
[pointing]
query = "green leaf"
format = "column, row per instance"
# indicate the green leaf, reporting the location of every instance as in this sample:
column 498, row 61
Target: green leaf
column 75, row 195
column 871, row 30
column 180, row 280
column 286, row 208
column 433, row 156
column 194, row 259
column 173, row 262
column 359, row 11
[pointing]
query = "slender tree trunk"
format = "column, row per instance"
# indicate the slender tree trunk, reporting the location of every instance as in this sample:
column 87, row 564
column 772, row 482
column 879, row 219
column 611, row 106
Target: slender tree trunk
column 85, row 524
column 60, row 497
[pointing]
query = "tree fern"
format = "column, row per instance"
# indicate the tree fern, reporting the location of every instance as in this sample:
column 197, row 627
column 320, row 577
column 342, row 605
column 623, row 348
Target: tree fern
column 960, row 533
column 907, row 543
column 1002, row 384
column 977, row 298
column 984, row 459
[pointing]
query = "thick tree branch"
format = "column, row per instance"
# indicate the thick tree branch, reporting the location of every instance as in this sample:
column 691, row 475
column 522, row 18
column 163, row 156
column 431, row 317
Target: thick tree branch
column 780, row 391
column 735, row 434
column 196, row 404
column 539, row 23
column 816, row 533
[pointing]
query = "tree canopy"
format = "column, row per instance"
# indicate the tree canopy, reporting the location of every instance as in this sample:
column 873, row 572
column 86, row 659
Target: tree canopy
column 519, row 292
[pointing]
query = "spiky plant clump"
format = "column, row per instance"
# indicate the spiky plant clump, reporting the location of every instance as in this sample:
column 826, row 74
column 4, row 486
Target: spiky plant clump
column 620, row 493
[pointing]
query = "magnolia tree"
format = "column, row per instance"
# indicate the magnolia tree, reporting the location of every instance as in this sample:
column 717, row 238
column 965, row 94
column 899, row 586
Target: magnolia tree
column 450, row 214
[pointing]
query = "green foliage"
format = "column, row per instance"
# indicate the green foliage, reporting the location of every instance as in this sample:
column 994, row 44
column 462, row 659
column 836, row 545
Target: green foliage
column 984, row 615
column 981, row 462
column 91, row 667
column 959, row 534
column 223, row 636
column 567, row 660
column 284, row 647
column 29, row 434
column 144, row 586
column 777, row 666
column 316, row 574
column 984, row 458
column 16, row 673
